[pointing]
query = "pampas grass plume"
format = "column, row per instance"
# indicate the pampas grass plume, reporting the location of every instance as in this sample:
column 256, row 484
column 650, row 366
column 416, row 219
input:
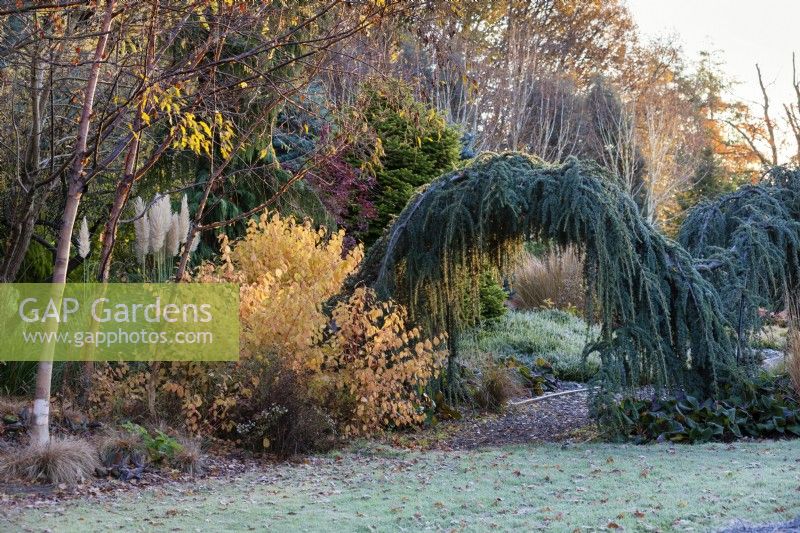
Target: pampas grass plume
column 183, row 228
column 83, row 239
column 142, row 227
column 160, row 220
column 172, row 242
column 195, row 243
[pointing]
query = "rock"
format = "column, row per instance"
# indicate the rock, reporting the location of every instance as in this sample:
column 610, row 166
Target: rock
column 770, row 358
column 10, row 419
column 774, row 527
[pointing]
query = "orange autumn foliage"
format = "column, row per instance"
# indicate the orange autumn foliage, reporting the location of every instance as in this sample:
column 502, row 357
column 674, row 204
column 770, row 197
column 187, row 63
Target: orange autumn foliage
column 363, row 364
column 381, row 363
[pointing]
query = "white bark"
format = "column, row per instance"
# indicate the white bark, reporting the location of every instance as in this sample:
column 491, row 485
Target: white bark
column 40, row 428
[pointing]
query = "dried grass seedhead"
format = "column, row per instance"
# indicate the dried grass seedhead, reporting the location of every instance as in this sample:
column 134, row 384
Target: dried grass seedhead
column 499, row 384
column 121, row 447
column 173, row 243
column 66, row 460
column 142, row 228
column 160, row 220
column 184, row 220
column 556, row 280
column 84, row 244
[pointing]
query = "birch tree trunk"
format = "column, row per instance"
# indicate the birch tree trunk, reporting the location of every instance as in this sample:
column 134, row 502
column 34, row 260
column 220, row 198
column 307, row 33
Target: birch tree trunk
column 40, row 426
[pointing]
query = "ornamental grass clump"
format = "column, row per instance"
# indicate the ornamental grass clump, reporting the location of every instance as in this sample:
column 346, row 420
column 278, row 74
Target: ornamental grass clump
column 142, row 228
column 498, row 385
column 793, row 342
column 189, row 458
column 62, row 460
column 793, row 360
column 552, row 281
column 118, row 446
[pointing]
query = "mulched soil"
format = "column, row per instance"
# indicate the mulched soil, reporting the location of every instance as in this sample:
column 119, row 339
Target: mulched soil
column 562, row 419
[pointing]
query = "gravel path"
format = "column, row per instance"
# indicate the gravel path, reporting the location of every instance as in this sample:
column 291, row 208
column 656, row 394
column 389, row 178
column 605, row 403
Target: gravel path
column 561, row 419
column 557, row 419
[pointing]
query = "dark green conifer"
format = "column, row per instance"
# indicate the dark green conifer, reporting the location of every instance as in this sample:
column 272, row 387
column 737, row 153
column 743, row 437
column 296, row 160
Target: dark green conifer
column 673, row 315
column 418, row 145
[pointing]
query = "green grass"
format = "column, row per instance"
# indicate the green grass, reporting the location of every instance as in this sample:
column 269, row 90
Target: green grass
column 640, row 488
column 556, row 336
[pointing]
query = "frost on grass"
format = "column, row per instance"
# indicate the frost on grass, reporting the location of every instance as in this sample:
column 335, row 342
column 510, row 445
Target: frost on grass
column 527, row 488
column 556, row 336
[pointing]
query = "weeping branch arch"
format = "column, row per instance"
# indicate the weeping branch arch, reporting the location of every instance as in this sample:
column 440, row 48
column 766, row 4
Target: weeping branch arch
column 666, row 316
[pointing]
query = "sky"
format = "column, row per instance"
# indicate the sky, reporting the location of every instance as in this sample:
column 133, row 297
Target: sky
column 741, row 33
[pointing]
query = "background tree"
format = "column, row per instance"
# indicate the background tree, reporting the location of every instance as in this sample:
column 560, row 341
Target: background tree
column 416, row 146
column 141, row 81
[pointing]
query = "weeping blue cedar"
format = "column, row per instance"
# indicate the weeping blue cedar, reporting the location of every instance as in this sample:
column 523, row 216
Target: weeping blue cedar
column 662, row 321
column 747, row 244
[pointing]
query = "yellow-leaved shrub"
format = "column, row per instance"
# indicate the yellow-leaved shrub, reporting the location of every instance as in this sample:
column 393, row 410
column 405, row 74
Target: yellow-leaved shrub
column 379, row 363
column 359, row 370
column 286, row 271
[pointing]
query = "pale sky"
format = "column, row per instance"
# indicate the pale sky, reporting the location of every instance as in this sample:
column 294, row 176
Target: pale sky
column 740, row 32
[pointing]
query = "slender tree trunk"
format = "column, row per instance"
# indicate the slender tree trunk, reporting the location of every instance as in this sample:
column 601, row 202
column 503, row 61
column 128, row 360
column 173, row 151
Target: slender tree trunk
column 129, row 174
column 120, row 199
column 26, row 204
column 108, row 240
column 40, row 427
